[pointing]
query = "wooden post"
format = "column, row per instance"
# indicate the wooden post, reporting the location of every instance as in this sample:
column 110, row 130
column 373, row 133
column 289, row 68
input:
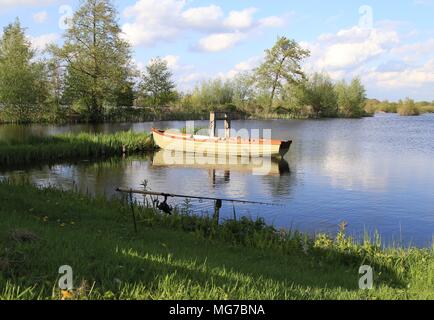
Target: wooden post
column 217, row 207
column 132, row 210
column 227, row 126
column 212, row 124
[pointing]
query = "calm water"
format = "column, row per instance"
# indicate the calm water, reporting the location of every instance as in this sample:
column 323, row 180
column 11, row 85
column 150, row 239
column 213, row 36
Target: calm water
column 375, row 173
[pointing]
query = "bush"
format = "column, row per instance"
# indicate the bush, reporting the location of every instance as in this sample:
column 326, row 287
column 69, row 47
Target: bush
column 320, row 95
column 351, row 98
column 408, row 108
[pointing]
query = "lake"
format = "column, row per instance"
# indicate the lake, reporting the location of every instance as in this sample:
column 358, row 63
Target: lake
column 376, row 174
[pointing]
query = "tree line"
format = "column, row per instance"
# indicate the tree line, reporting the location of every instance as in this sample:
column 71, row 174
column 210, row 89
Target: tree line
column 92, row 77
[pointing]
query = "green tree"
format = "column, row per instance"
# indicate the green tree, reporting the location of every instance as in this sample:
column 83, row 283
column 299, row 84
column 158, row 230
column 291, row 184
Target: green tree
column 22, row 80
column 243, row 90
column 320, row 95
column 351, row 98
column 98, row 60
column 157, row 86
column 292, row 99
column 281, row 65
column 212, row 95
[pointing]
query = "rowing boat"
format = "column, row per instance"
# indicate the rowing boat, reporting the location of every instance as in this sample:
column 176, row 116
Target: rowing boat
column 232, row 146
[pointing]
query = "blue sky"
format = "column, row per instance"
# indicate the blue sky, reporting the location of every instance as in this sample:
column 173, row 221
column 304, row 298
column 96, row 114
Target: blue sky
column 389, row 44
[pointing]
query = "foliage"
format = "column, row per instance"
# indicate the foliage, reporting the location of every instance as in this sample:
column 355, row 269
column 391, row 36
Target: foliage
column 157, row 87
column 319, row 94
column 407, row 108
column 22, row 80
column 97, row 58
column 73, row 146
column 243, row 91
column 282, row 65
column 212, row 95
column 351, row 98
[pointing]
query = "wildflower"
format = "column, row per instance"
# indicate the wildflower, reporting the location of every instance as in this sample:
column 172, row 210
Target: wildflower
column 66, row 295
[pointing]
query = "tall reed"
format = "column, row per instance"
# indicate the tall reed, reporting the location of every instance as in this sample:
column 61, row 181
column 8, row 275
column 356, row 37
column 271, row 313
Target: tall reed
column 70, row 146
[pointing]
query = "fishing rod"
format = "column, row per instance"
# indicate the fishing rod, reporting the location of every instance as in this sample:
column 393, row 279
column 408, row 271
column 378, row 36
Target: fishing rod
column 171, row 195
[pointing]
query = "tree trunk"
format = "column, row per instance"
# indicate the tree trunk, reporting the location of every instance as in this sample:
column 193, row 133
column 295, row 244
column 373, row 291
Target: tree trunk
column 276, row 79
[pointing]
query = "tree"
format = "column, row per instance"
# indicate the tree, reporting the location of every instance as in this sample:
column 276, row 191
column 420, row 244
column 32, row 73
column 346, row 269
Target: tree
column 213, row 94
column 98, row 60
column 243, row 90
column 320, row 95
column 351, row 98
column 282, row 64
column 157, row 84
column 55, row 85
column 22, row 82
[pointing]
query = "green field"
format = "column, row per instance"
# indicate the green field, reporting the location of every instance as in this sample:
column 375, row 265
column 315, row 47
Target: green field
column 184, row 256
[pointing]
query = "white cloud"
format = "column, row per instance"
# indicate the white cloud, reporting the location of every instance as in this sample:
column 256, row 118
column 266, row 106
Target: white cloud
column 406, row 78
column 243, row 66
column 350, row 48
column 172, row 61
column 240, row 19
column 40, row 17
column 272, row 22
column 220, row 41
column 203, row 17
column 41, row 42
column 387, row 66
column 151, row 21
column 414, row 52
column 9, row 4
column 154, row 20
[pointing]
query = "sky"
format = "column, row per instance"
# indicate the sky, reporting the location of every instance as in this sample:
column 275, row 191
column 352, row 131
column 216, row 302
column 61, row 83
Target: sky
column 388, row 44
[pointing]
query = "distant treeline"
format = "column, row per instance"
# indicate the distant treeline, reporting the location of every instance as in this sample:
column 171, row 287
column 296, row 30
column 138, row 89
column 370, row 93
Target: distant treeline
column 407, row 107
column 91, row 77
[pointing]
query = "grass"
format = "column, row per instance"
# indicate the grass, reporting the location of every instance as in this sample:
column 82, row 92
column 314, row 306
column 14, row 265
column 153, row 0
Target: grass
column 70, row 146
column 184, row 256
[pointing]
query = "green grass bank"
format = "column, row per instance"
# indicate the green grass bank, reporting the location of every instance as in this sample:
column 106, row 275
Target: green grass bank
column 184, row 256
column 73, row 146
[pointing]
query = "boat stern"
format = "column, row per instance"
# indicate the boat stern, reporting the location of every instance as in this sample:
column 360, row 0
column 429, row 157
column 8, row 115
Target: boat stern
column 284, row 147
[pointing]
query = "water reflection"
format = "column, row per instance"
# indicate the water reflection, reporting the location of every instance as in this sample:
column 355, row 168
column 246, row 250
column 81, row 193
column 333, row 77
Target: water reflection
column 214, row 163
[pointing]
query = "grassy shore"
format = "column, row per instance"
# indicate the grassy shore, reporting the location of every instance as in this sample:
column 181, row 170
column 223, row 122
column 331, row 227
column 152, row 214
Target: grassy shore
column 72, row 146
column 184, row 256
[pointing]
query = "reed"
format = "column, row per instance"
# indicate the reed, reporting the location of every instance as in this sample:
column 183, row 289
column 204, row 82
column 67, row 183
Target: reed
column 73, row 146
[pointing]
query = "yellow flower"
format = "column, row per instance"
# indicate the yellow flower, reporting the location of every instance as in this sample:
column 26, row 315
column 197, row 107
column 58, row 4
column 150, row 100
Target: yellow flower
column 66, row 295
column 62, row 225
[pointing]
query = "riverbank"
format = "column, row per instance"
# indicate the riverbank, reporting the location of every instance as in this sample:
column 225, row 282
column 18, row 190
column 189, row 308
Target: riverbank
column 137, row 116
column 72, row 146
column 183, row 256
